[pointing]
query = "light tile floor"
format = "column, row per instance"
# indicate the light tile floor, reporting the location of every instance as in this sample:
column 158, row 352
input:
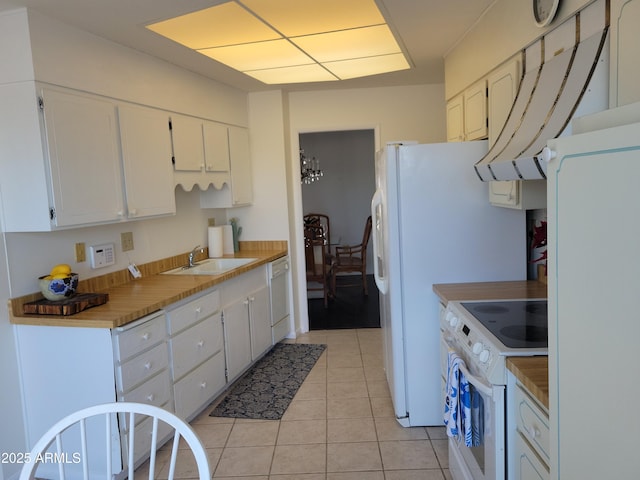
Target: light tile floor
column 339, row 426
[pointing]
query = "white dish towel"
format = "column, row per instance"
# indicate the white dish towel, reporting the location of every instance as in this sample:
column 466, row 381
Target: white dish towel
column 463, row 409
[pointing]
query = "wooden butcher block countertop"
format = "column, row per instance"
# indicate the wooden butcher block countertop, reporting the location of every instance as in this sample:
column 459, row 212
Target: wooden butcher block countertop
column 490, row 290
column 133, row 299
column 531, row 371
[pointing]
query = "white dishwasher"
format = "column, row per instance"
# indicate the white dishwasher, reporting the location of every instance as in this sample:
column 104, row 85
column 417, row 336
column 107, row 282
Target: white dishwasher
column 279, row 290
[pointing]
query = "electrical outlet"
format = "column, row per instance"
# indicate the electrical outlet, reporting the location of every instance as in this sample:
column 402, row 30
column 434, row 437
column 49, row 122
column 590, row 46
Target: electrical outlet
column 81, row 252
column 126, row 239
column 211, row 222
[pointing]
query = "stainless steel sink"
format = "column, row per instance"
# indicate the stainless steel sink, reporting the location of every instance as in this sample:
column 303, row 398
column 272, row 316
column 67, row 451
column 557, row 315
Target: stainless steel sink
column 211, row 266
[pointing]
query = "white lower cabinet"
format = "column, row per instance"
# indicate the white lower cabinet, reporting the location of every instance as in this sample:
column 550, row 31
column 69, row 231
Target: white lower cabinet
column 246, row 319
column 528, row 435
column 197, row 352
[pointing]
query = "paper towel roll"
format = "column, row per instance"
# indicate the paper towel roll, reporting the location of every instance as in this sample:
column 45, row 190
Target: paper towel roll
column 227, row 241
column 215, row 242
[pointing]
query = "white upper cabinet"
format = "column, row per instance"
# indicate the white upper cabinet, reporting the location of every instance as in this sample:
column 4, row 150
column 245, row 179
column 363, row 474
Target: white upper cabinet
column 188, row 146
column 455, row 119
column 475, row 111
column 146, row 157
column 82, row 140
column 241, row 182
column 68, row 152
column 625, row 37
column 467, row 114
column 216, row 147
column 239, row 190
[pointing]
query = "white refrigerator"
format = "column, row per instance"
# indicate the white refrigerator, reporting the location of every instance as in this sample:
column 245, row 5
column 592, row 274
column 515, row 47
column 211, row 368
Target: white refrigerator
column 433, row 224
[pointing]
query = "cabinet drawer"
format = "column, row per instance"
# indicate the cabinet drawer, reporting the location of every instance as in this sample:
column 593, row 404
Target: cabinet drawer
column 238, row 287
column 192, row 312
column 142, row 442
column 199, row 387
column 131, row 341
column 155, row 391
column 280, row 330
column 194, row 345
column 533, row 423
column 529, row 465
column 137, row 369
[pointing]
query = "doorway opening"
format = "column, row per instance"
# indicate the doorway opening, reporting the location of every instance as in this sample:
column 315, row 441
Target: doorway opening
column 343, row 193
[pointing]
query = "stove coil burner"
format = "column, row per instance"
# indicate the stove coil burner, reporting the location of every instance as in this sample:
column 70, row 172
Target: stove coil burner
column 529, row 333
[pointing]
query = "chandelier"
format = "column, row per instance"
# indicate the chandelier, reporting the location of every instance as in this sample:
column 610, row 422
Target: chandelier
column 309, row 169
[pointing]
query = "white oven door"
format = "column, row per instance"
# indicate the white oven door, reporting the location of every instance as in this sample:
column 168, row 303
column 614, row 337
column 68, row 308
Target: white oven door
column 486, row 461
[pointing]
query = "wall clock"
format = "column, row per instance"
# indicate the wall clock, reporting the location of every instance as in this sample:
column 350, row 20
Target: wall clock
column 544, row 11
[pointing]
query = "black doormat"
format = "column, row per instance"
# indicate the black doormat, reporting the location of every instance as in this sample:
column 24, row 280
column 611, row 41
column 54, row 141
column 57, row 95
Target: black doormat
column 266, row 390
column 349, row 309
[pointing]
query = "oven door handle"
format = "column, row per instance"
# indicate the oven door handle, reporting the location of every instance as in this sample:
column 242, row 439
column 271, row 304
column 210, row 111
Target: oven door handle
column 476, row 382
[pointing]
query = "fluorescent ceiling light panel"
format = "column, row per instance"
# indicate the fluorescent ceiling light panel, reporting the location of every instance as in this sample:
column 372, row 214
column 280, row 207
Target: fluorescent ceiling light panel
column 361, row 67
column 255, row 56
column 293, row 18
column 299, row 74
column 347, row 44
column 225, row 24
column 266, row 38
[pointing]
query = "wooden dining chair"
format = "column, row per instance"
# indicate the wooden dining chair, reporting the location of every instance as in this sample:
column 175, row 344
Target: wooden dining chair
column 352, row 259
column 318, row 265
column 323, row 221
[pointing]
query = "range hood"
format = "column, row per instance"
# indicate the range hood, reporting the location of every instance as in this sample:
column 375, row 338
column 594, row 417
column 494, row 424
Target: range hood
column 549, row 94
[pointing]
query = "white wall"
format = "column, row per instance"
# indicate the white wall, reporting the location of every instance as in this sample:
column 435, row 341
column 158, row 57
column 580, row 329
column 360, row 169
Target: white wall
column 395, row 113
column 506, row 28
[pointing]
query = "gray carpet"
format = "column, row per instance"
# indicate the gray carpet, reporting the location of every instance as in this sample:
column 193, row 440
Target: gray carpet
column 266, row 390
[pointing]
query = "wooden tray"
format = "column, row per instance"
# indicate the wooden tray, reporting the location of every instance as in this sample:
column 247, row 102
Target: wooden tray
column 68, row 306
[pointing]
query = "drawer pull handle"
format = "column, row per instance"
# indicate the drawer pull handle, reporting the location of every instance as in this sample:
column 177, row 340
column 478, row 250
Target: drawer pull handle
column 203, row 385
column 533, row 431
column 147, row 366
column 200, row 344
column 150, row 397
column 146, row 336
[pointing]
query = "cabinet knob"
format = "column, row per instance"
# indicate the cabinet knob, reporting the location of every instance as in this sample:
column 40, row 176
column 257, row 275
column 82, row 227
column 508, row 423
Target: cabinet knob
column 133, row 212
column 150, row 397
column 548, row 154
column 203, row 385
column 147, row 366
column 252, row 299
column 200, row 344
column 198, row 309
column 246, row 302
column 146, row 336
column 533, row 431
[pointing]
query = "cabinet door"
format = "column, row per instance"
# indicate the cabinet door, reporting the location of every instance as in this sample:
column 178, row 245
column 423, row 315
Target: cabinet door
column 188, row 147
column 475, row 111
column 455, row 119
column 82, row 139
column 261, row 338
column 625, row 36
column 237, row 338
column 239, row 153
column 502, row 88
column 216, row 147
column 146, row 157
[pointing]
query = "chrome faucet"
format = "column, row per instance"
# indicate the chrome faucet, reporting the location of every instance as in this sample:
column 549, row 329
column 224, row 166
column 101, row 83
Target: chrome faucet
column 192, row 255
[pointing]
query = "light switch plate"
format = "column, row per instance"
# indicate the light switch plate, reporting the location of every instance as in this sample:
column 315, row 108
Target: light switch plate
column 102, row 255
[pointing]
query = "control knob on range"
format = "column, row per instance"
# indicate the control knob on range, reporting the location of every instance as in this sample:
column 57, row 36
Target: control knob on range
column 477, row 348
column 452, row 320
column 484, row 356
